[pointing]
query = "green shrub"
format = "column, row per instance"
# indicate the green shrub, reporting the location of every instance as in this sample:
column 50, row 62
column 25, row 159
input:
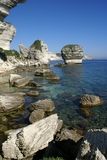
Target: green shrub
column 5, row 53
column 37, row 45
column 12, row 53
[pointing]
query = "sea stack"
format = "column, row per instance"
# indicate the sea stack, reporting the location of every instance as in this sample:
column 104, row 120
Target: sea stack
column 72, row 54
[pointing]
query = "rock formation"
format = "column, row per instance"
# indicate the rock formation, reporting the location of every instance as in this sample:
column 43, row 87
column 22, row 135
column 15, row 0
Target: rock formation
column 46, row 104
column 72, row 53
column 24, row 142
column 90, row 100
column 7, row 31
column 37, row 51
column 10, row 102
column 94, row 145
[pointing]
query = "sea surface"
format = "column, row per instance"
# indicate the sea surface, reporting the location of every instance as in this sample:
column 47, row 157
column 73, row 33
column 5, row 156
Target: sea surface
column 75, row 81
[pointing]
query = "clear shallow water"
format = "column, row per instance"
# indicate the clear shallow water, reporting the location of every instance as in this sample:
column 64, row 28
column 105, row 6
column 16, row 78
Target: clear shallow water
column 76, row 80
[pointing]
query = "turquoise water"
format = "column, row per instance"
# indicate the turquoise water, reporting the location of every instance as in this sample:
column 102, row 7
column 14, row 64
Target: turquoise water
column 75, row 80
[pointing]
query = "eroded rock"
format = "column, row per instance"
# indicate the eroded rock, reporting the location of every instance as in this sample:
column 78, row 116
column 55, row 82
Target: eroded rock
column 90, row 100
column 32, row 93
column 36, row 115
column 18, row 81
column 7, row 33
column 94, row 145
column 46, row 104
column 72, row 53
column 10, row 102
column 26, row 141
column 67, row 134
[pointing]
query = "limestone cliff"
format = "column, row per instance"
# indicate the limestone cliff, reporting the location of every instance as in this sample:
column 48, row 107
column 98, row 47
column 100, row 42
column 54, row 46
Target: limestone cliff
column 7, row 31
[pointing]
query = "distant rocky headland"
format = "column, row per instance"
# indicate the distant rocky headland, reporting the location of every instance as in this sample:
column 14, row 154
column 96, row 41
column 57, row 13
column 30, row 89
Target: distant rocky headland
column 42, row 132
column 36, row 54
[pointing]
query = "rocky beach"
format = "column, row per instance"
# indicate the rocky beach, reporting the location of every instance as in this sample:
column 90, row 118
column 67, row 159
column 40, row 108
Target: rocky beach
column 47, row 109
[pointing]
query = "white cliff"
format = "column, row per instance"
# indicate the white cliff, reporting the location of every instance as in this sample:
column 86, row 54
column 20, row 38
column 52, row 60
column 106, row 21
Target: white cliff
column 7, row 31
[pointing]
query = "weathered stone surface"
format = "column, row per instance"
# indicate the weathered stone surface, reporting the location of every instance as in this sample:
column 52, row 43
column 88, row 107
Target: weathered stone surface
column 24, row 51
column 72, row 53
column 10, row 102
column 94, row 145
column 6, row 5
column 21, row 82
column 7, row 33
column 40, row 45
column 34, row 84
column 44, row 72
column 53, row 77
column 26, row 141
column 32, row 93
column 90, row 100
column 47, row 105
column 13, row 78
column 67, row 134
column 36, row 115
column 18, row 81
column 60, row 125
column 39, row 52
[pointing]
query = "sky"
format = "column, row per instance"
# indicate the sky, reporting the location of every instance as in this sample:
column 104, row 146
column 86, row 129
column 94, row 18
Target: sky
column 61, row 22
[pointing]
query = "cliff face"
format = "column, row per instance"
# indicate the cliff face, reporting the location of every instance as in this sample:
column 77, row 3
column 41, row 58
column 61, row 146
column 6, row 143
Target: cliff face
column 7, row 31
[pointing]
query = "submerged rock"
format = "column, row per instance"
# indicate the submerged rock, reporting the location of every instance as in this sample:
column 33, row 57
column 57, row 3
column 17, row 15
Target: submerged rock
column 36, row 115
column 43, row 72
column 46, row 104
column 90, row 100
column 32, row 93
column 94, row 145
column 26, row 141
column 10, row 102
column 72, row 53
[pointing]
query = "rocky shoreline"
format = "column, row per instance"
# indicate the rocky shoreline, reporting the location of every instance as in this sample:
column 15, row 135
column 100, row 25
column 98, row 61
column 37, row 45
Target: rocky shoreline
column 33, row 130
column 66, row 143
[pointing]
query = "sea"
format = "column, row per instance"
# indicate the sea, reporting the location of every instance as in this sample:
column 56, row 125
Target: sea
column 90, row 77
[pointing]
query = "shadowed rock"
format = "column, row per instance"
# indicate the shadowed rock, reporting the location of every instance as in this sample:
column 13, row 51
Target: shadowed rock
column 94, row 145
